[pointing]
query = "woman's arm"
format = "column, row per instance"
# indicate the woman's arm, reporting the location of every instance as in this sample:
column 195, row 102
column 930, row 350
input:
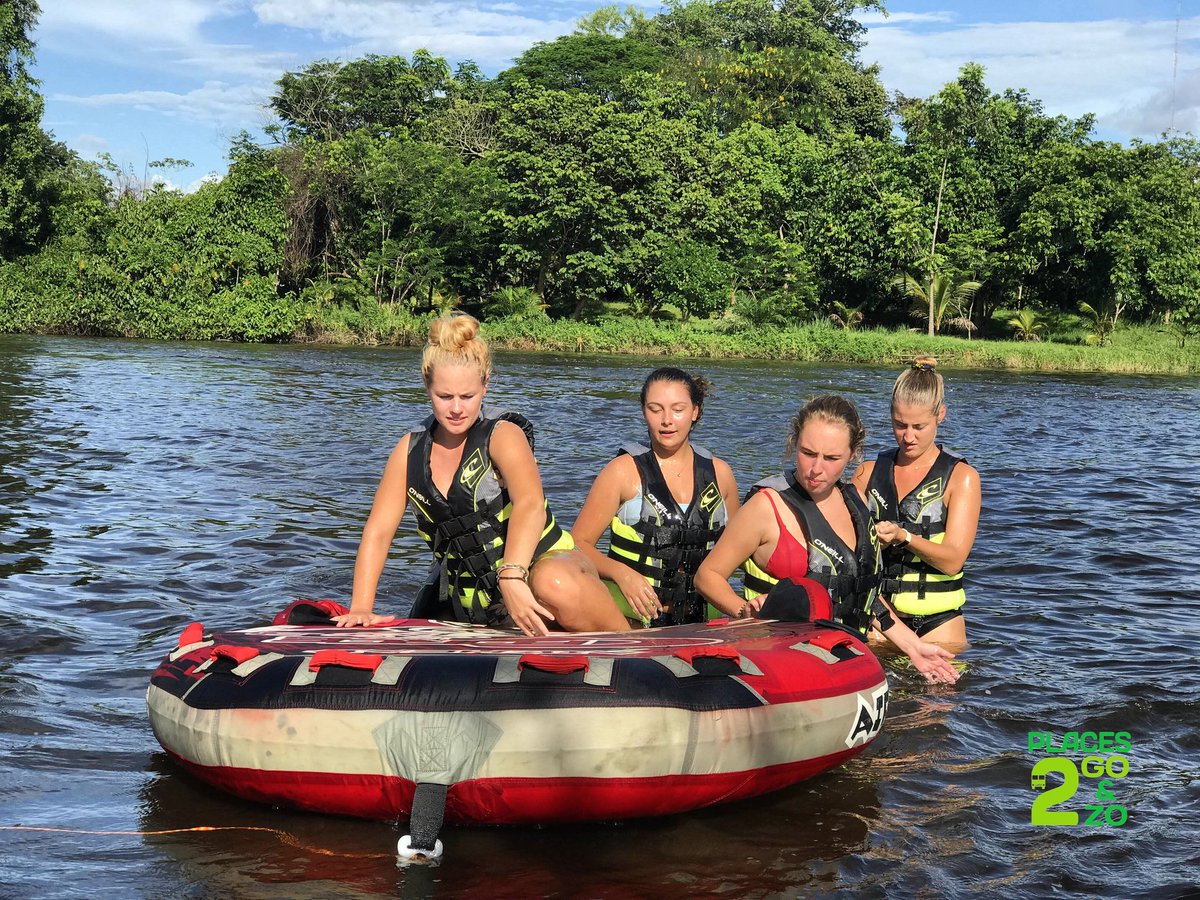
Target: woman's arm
column 728, row 485
column 391, row 499
column 616, row 483
column 929, row 659
column 753, row 526
column 962, row 521
column 513, row 458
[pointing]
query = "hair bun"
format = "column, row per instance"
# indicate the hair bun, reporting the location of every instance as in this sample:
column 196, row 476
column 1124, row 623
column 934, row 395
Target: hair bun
column 925, row 362
column 453, row 333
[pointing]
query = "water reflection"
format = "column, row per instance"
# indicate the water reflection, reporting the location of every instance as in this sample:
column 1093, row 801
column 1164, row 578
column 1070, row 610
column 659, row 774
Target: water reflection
column 769, row 846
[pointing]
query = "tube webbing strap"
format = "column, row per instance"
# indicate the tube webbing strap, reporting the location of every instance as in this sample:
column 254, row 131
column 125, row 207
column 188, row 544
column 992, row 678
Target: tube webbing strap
column 428, row 810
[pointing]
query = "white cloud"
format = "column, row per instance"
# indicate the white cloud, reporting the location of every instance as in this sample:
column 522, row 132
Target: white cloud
column 157, row 180
column 210, row 178
column 1174, row 108
column 873, row 17
column 489, row 34
column 1118, row 69
column 151, row 21
column 170, row 36
column 88, row 145
column 213, row 103
column 213, row 63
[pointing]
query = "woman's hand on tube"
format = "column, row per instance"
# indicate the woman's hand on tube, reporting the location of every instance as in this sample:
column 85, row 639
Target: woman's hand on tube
column 638, row 591
column 523, row 608
column 352, row 618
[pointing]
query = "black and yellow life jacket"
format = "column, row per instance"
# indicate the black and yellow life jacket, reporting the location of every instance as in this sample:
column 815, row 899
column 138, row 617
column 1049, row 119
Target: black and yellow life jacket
column 851, row 576
column 466, row 528
column 667, row 543
column 914, row 587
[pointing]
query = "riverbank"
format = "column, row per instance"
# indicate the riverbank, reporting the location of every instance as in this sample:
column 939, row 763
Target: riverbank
column 1142, row 349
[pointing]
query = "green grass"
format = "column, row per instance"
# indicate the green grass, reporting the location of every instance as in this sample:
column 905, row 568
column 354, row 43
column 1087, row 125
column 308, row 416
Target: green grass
column 368, row 323
column 1146, row 349
column 1138, row 349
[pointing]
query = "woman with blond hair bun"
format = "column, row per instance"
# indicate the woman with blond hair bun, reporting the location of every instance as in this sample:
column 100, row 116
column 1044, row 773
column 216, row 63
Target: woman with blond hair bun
column 475, row 490
column 925, row 501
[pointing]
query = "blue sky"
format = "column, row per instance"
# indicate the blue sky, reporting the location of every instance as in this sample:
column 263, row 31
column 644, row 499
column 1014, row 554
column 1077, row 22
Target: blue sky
column 144, row 80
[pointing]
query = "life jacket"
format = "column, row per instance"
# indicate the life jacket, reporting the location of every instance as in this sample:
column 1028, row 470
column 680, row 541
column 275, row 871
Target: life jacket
column 667, row 543
column 850, row 576
column 466, row 528
column 914, row 587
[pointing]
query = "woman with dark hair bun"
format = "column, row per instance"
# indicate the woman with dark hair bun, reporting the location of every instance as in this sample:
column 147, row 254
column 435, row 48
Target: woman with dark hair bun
column 477, row 496
column 925, row 501
column 665, row 504
column 807, row 523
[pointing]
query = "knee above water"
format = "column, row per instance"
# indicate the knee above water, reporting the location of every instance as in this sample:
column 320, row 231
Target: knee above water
column 556, row 578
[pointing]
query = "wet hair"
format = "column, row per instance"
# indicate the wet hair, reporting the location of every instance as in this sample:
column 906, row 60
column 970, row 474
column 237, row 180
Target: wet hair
column 920, row 385
column 454, row 339
column 698, row 386
column 829, row 408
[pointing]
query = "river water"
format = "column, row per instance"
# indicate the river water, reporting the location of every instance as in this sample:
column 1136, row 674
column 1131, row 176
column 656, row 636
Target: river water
column 144, row 486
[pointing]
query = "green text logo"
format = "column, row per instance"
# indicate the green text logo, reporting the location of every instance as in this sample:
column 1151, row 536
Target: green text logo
column 1104, row 761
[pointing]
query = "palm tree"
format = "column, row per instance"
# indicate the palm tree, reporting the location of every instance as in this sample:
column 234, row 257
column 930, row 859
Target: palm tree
column 845, row 315
column 1102, row 322
column 1027, row 325
column 940, row 299
column 514, row 303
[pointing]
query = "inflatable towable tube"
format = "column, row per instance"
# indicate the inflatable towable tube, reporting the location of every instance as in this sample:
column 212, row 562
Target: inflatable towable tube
column 503, row 728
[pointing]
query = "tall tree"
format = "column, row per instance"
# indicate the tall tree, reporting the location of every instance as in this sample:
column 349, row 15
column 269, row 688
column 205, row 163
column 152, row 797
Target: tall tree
column 773, row 61
column 379, row 94
column 945, row 128
column 31, row 161
column 1100, row 221
column 597, row 193
column 595, row 63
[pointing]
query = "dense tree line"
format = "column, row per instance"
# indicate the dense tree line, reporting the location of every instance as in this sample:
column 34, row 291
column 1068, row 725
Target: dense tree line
column 728, row 158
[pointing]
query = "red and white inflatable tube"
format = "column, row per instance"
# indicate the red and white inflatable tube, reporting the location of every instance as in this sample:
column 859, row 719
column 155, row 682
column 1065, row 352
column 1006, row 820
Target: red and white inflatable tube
column 519, row 730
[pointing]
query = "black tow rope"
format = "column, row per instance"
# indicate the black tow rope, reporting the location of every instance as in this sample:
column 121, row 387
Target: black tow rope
column 421, row 844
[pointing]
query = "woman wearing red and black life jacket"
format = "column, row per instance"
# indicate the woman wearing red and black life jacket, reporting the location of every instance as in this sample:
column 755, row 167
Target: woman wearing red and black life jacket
column 807, row 523
column 925, row 501
column 477, row 495
column 665, row 504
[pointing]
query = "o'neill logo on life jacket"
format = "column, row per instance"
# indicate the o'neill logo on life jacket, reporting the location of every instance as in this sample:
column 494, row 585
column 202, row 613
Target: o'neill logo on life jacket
column 662, row 509
column 872, row 709
column 829, row 551
column 710, row 498
column 419, row 501
column 931, row 491
column 878, row 498
column 472, row 470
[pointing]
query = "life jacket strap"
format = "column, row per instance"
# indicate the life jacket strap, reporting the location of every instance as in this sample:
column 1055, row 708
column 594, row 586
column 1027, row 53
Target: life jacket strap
column 848, row 593
column 756, row 583
column 893, row 583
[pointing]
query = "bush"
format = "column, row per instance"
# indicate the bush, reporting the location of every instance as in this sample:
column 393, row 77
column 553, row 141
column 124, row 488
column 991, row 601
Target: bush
column 514, row 303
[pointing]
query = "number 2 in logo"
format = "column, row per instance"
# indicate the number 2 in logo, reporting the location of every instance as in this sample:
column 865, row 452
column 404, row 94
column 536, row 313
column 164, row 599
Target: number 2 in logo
column 1041, row 814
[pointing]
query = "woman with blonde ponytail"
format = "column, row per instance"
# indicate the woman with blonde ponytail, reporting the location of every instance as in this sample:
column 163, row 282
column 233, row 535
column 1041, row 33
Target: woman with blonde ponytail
column 925, row 501
column 477, row 496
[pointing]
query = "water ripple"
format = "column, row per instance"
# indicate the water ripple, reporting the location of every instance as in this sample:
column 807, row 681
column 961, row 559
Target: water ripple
column 144, row 486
